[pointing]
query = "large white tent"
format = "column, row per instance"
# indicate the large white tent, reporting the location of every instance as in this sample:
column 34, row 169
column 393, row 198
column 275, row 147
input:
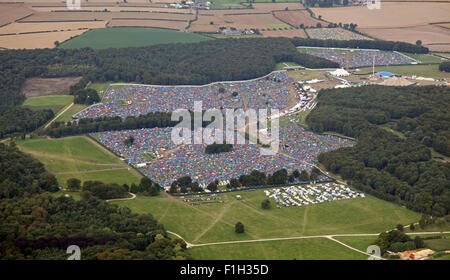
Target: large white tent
column 339, row 73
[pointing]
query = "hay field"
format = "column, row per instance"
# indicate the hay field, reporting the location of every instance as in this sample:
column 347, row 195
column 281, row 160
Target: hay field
column 37, row 40
column 239, row 21
column 390, row 15
column 13, row 12
column 17, row 27
column 295, row 18
column 176, row 25
column 428, row 34
column 291, row 33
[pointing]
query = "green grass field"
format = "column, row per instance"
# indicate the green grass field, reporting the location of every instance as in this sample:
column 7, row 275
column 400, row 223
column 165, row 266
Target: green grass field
column 431, row 71
column 53, row 102
column 301, row 249
column 424, row 58
column 67, row 116
column 122, row 37
column 438, row 244
column 215, row 222
column 79, row 157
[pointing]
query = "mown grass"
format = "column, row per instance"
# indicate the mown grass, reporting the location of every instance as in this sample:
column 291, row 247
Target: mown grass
column 53, row 102
column 78, row 157
column 122, row 37
column 301, row 249
column 215, row 222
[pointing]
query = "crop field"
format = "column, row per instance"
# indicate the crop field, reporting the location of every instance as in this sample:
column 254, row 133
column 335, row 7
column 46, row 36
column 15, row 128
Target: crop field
column 12, row 12
column 35, row 87
column 302, row 249
column 168, row 24
column 389, row 16
column 297, row 17
column 215, row 222
column 24, row 27
column 434, row 37
column 78, row 157
column 37, row 40
column 129, row 36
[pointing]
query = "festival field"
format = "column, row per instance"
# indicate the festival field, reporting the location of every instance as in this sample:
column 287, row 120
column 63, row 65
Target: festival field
column 215, row 222
column 130, row 37
column 78, row 157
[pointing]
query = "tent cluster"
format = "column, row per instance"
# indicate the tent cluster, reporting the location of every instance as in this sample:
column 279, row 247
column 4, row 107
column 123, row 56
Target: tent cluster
column 310, row 194
column 134, row 100
column 203, row 199
column 300, row 148
column 361, row 58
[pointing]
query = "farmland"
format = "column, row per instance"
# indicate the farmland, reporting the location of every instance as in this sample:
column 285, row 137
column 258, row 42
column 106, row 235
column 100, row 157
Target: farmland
column 127, row 37
column 397, row 22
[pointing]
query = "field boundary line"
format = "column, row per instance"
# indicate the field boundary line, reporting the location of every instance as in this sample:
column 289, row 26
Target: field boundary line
column 59, row 114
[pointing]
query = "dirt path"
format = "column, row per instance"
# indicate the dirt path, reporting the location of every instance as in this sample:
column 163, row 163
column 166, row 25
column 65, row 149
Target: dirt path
column 60, row 113
column 133, row 196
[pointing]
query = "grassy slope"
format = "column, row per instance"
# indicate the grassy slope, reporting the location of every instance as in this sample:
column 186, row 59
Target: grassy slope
column 53, row 102
column 120, row 37
column 215, row 222
column 307, row 249
column 76, row 155
column 67, row 116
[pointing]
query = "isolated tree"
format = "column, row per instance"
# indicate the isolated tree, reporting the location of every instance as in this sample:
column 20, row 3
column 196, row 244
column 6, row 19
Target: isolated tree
column 419, row 42
column 56, row 43
column 239, row 227
column 399, row 227
column 304, row 176
column 129, row 141
column 412, row 227
column 265, row 204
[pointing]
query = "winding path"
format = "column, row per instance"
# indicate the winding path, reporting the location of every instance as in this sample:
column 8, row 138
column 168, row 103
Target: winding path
column 133, row 196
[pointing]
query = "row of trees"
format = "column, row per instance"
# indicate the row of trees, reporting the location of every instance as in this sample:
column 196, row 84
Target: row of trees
column 395, row 167
column 361, row 44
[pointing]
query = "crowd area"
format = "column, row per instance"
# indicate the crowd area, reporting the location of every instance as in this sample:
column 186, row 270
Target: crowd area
column 299, row 148
column 310, row 194
column 334, row 34
column 360, row 58
column 306, row 145
column 134, row 100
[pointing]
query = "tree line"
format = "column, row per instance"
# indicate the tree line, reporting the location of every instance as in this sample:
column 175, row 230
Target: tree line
column 391, row 160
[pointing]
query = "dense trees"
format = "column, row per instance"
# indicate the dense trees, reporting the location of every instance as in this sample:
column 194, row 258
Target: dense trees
column 101, row 190
column 21, row 174
column 444, row 66
column 218, row 148
column 20, row 120
column 146, row 187
column 361, row 44
column 42, row 227
column 395, row 167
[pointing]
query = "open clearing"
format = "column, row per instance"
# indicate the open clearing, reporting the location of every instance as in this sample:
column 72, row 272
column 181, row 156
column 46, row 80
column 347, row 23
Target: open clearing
column 54, row 103
column 130, row 37
column 215, row 222
column 310, row 249
column 79, row 157
column 35, row 87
